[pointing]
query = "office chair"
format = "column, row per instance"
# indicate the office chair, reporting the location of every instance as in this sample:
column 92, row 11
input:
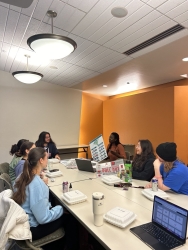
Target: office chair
column 5, row 182
column 4, row 168
column 37, row 244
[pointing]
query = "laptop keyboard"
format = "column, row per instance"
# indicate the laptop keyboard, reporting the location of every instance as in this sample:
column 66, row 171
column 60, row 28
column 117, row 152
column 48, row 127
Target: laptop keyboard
column 162, row 236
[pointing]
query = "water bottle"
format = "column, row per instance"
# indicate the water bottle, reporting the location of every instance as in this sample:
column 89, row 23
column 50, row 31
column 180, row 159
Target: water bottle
column 128, row 170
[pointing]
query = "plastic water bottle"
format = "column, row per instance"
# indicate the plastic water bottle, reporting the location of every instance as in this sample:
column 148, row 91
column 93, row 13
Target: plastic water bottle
column 128, row 170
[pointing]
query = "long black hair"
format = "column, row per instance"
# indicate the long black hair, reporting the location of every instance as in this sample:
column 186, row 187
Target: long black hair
column 16, row 147
column 41, row 140
column 116, row 137
column 147, row 149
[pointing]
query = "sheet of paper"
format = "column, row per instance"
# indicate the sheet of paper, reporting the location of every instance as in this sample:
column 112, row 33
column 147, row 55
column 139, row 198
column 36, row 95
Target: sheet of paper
column 98, row 150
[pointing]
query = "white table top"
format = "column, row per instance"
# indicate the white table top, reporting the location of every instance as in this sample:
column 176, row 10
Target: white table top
column 111, row 237
column 72, row 146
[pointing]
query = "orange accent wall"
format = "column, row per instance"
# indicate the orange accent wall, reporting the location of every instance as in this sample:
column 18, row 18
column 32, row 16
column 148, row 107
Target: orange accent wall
column 91, row 120
column 181, row 121
column 148, row 115
column 159, row 114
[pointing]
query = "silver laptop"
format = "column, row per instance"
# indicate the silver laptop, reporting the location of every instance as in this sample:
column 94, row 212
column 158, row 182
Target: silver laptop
column 86, row 165
column 168, row 228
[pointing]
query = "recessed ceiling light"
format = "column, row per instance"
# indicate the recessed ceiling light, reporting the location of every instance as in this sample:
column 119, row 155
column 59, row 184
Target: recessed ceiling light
column 104, row 86
column 53, row 67
column 185, row 75
column 119, row 12
column 185, row 59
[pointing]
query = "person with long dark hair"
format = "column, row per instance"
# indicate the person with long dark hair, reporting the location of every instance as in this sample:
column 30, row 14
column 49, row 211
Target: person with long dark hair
column 45, row 141
column 142, row 165
column 15, row 151
column 24, row 151
column 32, row 195
column 115, row 149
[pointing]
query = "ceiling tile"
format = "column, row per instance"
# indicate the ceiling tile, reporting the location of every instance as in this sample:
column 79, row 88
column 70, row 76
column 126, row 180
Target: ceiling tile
column 181, row 8
column 41, row 9
column 102, row 19
column 3, row 20
column 182, row 18
column 96, row 11
column 83, row 5
column 85, row 53
column 154, row 3
column 114, row 65
column 11, row 26
column 169, row 5
column 128, row 21
column 135, row 28
column 11, row 57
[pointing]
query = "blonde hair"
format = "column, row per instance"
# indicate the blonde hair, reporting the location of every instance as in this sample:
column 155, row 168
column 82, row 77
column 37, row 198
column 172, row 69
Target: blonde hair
column 168, row 166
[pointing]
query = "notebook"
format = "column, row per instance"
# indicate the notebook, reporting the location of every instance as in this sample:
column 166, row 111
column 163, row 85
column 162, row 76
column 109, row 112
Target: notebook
column 86, row 165
column 168, row 228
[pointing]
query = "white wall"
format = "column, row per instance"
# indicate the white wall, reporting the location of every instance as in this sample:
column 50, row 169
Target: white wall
column 27, row 110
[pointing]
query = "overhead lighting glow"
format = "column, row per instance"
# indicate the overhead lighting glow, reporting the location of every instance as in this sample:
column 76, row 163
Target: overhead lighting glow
column 51, row 45
column 104, row 86
column 185, row 75
column 185, row 59
column 28, row 77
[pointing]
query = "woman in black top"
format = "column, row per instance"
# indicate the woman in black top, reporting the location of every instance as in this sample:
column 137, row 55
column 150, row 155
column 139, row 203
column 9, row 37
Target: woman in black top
column 45, row 141
column 143, row 168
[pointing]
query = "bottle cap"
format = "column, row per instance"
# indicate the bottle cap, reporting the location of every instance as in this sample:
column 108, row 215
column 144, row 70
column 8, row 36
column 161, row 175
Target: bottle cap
column 98, row 196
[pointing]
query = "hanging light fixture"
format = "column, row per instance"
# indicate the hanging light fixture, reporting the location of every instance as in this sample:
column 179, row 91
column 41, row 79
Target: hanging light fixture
column 51, row 45
column 27, row 77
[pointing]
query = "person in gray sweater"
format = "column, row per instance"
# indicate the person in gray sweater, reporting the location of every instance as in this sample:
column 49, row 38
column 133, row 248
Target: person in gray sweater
column 142, row 166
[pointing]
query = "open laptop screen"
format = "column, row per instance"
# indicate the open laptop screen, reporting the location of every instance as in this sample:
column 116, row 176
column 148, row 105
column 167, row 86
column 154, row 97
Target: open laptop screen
column 171, row 217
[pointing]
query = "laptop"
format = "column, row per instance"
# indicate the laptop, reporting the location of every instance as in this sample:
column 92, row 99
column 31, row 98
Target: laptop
column 86, row 165
column 168, row 228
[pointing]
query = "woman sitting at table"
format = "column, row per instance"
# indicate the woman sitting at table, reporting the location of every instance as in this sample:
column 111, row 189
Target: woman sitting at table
column 33, row 196
column 45, row 141
column 115, row 149
column 15, row 151
column 24, row 151
column 171, row 173
column 142, row 166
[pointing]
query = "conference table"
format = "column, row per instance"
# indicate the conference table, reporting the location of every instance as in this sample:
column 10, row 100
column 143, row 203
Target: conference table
column 73, row 149
column 109, row 236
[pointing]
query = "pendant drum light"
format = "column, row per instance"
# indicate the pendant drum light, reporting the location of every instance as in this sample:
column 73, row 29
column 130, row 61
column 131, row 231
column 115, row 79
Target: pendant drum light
column 27, row 77
column 51, row 45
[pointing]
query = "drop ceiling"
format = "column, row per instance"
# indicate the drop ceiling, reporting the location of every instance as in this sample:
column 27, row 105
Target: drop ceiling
column 101, row 40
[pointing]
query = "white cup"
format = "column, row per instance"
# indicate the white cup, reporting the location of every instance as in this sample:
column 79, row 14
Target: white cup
column 98, row 208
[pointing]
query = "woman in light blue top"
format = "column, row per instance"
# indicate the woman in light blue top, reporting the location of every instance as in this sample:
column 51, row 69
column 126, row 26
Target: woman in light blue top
column 33, row 195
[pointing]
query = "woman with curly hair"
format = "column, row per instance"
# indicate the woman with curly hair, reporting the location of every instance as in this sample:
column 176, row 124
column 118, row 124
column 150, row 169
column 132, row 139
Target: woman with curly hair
column 143, row 168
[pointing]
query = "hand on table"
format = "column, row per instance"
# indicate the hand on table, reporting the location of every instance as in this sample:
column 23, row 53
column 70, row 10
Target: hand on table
column 57, row 157
column 148, row 185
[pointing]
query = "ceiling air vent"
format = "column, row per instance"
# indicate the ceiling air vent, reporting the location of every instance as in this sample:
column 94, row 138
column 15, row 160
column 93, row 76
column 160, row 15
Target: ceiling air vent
column 155, row 39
